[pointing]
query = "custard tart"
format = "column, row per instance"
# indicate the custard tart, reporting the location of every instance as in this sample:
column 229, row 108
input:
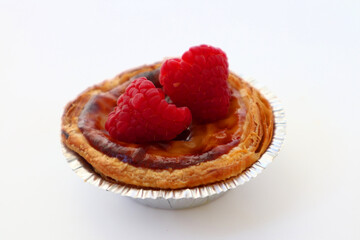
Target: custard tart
column 202, row 154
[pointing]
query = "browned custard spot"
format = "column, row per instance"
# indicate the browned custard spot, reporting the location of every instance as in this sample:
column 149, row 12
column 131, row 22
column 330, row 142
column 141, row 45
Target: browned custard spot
column 199, row 143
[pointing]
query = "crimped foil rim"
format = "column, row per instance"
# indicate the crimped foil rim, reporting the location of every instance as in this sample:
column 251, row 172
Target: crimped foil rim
column 84, row 171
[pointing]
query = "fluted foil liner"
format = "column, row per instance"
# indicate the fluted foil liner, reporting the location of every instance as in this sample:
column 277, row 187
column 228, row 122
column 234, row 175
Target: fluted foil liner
column 189, row 197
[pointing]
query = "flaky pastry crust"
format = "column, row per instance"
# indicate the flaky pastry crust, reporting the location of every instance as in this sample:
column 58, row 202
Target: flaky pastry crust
column 256, row 137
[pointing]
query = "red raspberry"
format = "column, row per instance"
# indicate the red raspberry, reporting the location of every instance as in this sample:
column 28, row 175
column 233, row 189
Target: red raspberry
column 198, row 81
column 143, row 115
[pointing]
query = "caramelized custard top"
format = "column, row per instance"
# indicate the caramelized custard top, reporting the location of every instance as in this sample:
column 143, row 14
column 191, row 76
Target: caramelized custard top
column 199, row 143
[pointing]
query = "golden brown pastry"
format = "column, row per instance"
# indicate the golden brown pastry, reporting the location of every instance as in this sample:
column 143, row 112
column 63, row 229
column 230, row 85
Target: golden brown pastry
column 203, row 154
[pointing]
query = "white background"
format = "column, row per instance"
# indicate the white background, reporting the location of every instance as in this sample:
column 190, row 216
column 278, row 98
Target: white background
column 307, row 52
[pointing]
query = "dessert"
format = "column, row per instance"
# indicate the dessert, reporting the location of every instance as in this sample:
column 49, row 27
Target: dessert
column 207, row 151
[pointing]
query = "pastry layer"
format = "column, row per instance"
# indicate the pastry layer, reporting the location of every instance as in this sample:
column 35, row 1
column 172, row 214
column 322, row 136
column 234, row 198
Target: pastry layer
column 208, row 153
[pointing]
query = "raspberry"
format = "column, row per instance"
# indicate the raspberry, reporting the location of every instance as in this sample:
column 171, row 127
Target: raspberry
column 143, row 115
column 198, row 81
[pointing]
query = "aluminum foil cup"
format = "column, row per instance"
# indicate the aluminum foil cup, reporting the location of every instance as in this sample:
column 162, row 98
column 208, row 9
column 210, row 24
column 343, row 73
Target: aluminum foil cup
column 189, row 197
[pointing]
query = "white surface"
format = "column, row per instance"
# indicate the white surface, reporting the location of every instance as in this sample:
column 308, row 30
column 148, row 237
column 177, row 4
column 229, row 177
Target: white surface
column 307, row 52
